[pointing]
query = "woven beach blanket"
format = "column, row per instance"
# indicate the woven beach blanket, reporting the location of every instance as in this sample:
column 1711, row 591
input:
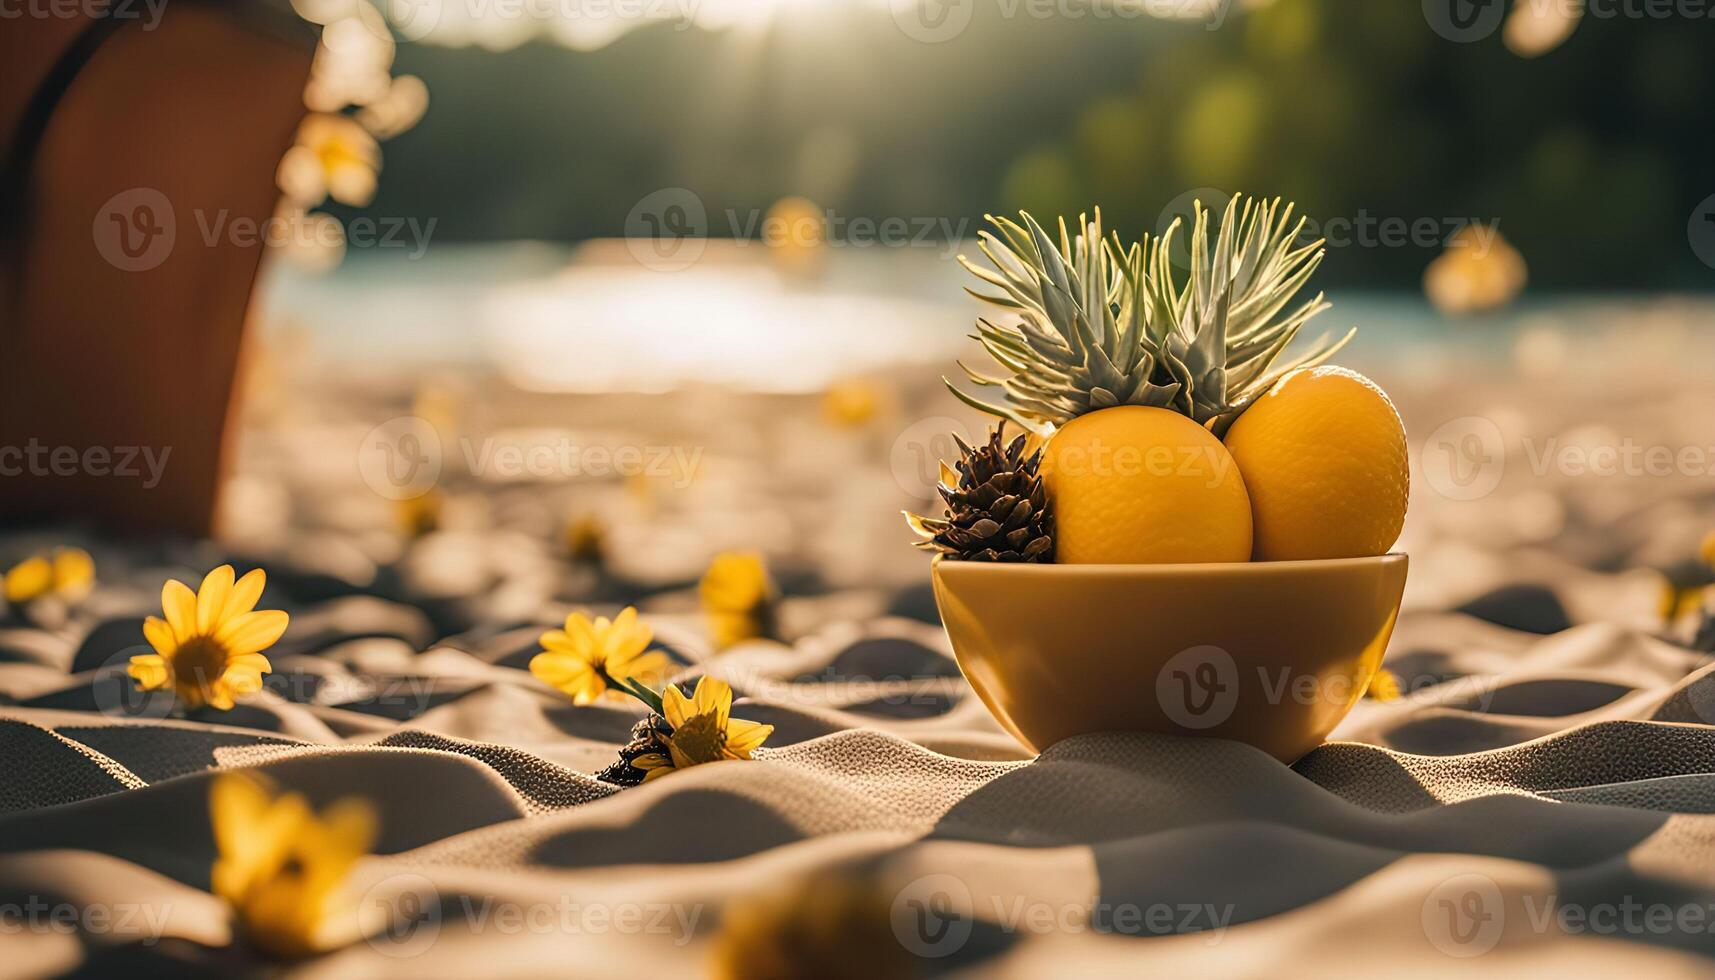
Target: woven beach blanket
column 1540, row 798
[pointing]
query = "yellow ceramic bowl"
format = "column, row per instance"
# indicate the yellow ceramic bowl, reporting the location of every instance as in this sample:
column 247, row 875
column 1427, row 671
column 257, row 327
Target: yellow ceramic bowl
column 1269, row 653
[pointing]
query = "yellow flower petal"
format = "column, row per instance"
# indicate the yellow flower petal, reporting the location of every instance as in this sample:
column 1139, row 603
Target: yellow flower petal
column 245, row 831
column 582, row 634
column 253, row 631
column 744, row 737
column 675, row 707
column 713, row 696
column 159, row 635
column 149, row 670
column 179, row 604
column 245, row 594
column 347, row 831
column 569, row 674
column 558, row 641
column 74, row 573
column 648, row 668
column 250, row 662
column 28, row 579
column 211, row 598
column 627, row 637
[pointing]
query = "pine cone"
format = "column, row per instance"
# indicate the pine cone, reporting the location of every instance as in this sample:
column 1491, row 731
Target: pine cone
column 648, row 735
column 997, row 511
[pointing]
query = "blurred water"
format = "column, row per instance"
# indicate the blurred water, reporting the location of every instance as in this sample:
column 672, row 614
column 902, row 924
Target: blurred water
column 591, row 319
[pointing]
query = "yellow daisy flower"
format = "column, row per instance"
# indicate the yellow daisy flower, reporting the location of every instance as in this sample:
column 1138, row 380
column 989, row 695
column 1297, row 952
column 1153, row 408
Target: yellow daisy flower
column 586, row 540
column 703, row 730
column 334, row 157
column 738, row 598
column 833, row 926
column 586, row 658
column 69, row 574
column 850, row 404
column 209, row 648
column 419, row 515
column 280, row 866
column 1678, row 600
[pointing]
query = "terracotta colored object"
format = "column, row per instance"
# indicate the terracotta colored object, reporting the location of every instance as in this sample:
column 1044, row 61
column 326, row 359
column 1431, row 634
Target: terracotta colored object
column 1273, row 654
column 121, row 315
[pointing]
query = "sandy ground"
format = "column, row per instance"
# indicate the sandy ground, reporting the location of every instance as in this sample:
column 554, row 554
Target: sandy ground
column 1539, row 801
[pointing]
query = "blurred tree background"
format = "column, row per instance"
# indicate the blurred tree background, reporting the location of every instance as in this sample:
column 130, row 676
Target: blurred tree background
column 1592, row 156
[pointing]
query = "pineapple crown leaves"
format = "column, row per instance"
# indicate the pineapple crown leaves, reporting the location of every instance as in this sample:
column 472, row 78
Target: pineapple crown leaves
column 1101, row 323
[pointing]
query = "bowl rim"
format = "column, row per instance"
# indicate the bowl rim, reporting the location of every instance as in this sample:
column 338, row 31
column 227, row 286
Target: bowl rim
column 940, row 562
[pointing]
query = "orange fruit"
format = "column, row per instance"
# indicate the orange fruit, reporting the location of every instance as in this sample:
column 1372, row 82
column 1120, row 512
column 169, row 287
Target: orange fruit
column 1324, row 458
column 1133, row 485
